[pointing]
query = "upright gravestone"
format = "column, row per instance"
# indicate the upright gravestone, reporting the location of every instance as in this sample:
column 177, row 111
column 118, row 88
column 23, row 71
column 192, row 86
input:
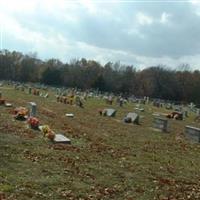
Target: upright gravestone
column 192, row 133
column 178, row 108
column 192, row 107
column 160, row 123
column 185, row 113
column 0, row 94
column 33, row 109
column 169, row 106
column 29, row 90
column 147, row 100
column 198, row 112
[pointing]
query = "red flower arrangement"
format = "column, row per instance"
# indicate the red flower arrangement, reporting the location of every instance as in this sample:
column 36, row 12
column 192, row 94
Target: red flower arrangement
column 33, row 122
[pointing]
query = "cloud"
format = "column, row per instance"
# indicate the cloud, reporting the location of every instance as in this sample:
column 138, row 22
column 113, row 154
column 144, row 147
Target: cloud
column 144, row 19
column 164, row 18
column 141, row 34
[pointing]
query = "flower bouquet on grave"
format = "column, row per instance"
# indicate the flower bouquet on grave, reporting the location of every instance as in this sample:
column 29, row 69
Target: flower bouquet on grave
column 33, row 122
column 20, row 113
column 47, row 132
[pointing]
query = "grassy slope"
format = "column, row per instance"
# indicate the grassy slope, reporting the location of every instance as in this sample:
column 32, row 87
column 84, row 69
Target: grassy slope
column 107, row 159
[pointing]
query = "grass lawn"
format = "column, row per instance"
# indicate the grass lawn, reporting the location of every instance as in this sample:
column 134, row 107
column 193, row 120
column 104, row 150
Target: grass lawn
column 106, row 160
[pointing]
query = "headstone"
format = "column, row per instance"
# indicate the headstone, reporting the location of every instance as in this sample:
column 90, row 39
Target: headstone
column 178, row 108
column 198, row 112
column 0, row 94
column 138, row 106
column 33, row 107
column 139, row 109
column 185, row 113
column 192, row 107
column 160, row 123
column 156, row 114
column 147, row 100
column 8, row 104
column 29, row 90
column 156, row 104
column 192, row 133
column 169, row 106
column 121, row 102
column 46, row 95
column 109, row 112
column 59, row 138
column 69, row 115
column 132, row 118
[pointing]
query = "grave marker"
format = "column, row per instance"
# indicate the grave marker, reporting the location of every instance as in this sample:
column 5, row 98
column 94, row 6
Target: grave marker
column 192, row 133
column 198, row 112
column 147, row 100
column 59, row 138
column 69, row 115
column 169, row 106
column 29, row 90
column 46, row 95
column 185, row 113
column 8, row 105
column 33, row 109
column 109, row 112
column 160, row 123
column 132, row 118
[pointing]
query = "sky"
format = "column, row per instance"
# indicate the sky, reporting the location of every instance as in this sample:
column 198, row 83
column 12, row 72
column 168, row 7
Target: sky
column 139, row 33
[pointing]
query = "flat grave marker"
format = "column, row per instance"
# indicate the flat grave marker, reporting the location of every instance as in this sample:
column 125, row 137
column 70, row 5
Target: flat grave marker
column 109, row 112
column 8, row 105
column 59, row 138
column 69, row 115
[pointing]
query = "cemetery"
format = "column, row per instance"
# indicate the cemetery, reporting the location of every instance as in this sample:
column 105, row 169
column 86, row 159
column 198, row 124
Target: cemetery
column 99, row 100
column 77, row 152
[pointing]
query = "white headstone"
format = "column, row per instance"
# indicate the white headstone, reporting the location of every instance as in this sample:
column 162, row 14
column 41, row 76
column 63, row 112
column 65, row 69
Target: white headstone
column 69, row 115
column 59, row 138
column 109, row 112
column 134, row 117
column 198, row 112
column 8, row 104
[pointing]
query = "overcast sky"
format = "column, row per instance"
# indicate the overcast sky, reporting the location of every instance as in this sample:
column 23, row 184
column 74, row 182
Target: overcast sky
column 140, row 33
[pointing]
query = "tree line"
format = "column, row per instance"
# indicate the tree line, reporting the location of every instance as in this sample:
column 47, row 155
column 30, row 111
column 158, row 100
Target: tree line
column 159, row 81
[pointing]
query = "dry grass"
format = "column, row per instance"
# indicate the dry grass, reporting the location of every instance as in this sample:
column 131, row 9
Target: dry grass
column 107, row 159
